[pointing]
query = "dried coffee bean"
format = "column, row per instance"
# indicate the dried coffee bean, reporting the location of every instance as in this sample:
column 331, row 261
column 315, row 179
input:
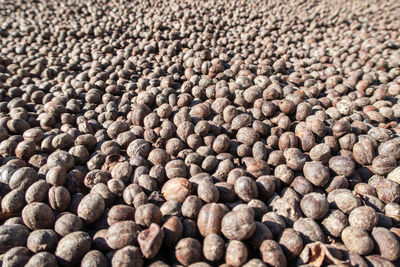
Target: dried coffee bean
column 255, row 263
column 376, row 260
column 357, row 240
column 91, row 208
column 238, row 225
column 213, row 247
column 173, row 230
column 246, row 188
column 127, row 256
column 314, row 206
column 363, row 217
column 191, row 207
column 382, row 165
column 121, row 234
column 147, row 214
column 260, row 234
column 176, row 189
column 274, row 222
column 335, row 223
column 347, row 202
column 17, row 256
column 342, row 165
column 236, row 253
column 188, row 251
column 309, row 230
column 13, row 235
column 120, row 213
column 94, row 258
column 388, row 244
column 42, row 240
column 272, row 253
column 42, row 259
column 38, row 216
column 388, row 191
column 72, row 247
column 37, row 192
column 291, row 243
column 209, row 219
column 59, row 198
column 207, row 192
column 150, row 241
column 316, row 173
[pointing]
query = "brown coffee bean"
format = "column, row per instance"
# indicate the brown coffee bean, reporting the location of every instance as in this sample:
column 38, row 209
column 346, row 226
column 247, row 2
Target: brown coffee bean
column 207, row 192
column 382, row 165
column 314, row 206
column 191, row 207
column 364, row 189
column 246, row 188
column 320, row 152
column 120, row 213
column 17, row 256
column 363, row 152
column 284, row 173
column 100, row 242
column 42, row 259
column 301, row 185
column 288, row 208
column 37, row 192
column 38, row 216
column 72, row 247
column 265, row 186
column 316, row 173
column 288, row 140
column 188, row 251
column 261, row 233
column 209, row 219
column 13, row 235
column 127, row 256
column 42, row 240
column 150, row 241
column 342, row 165
column 213, row 247
column 357, row 240
column 67, row 223
column 347, row 202
column 121, row 234
column 173, row 230
column 388, row 244
column 91, row 207
column 309, row 230
column 341, row 128
column 335, row 223
column 363, row 217
column 147, row 214
column 94, row 258
column 238, row 225
column 255, row 263
column 23, row 178
column 272, row 253
column 295, row 159
column 236, row 253
column 388, row 191
column 59, row 198
column 291, row 243
column 376, row 260
column 176, row 189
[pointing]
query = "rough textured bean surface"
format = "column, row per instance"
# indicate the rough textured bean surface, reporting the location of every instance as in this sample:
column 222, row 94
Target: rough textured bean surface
column 199, row 133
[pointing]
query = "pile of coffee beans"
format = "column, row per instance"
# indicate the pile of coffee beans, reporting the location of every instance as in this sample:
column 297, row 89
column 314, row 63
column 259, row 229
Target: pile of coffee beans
column 199, row 133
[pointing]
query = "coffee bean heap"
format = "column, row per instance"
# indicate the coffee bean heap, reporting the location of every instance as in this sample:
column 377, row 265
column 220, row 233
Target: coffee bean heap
column 199, row 133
